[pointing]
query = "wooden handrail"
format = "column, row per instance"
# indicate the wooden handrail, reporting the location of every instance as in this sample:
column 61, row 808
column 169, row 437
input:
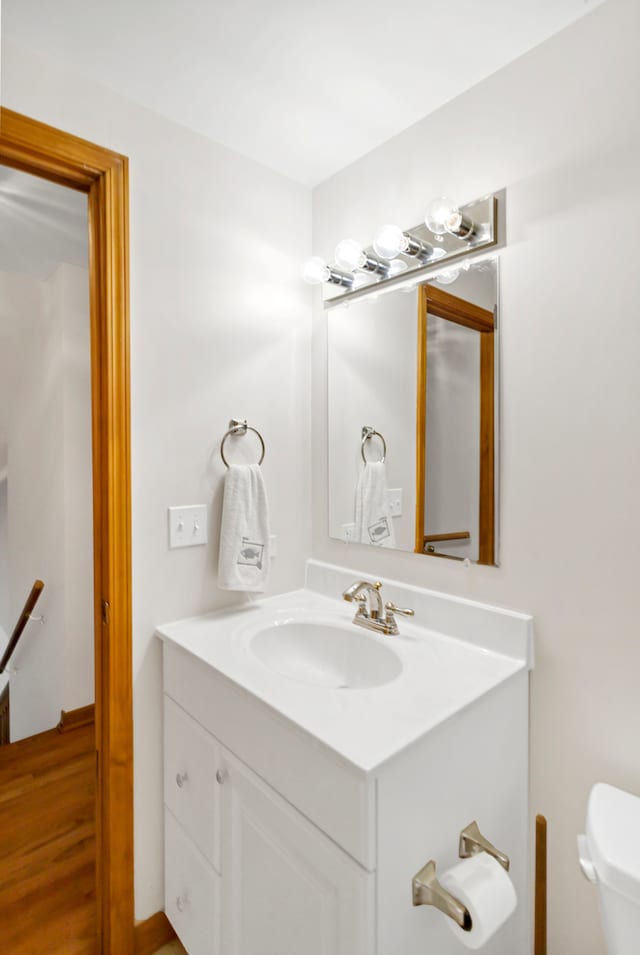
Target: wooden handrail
column 454, row 536
column 23, row 620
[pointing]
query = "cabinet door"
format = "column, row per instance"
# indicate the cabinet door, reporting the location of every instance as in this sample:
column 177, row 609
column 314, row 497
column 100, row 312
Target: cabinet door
column 287, row 888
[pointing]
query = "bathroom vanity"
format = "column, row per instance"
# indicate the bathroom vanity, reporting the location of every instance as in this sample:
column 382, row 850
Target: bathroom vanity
column 313, row 767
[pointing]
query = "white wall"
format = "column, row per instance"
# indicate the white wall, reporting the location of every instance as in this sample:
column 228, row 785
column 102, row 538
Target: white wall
column 46, row 362
column 4, row 558
column 219, row 328
column 69, row 291
column 559, row 128
column 4, row 574
column 452, row 478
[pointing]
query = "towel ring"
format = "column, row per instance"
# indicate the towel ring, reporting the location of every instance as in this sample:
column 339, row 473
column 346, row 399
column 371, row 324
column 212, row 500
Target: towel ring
column 368, row 433
column 240, row 427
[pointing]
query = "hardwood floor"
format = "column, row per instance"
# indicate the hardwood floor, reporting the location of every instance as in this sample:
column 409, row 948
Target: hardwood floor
column 47, row 844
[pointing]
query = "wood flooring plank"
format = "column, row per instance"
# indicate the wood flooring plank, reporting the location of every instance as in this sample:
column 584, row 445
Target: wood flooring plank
column 47, row 844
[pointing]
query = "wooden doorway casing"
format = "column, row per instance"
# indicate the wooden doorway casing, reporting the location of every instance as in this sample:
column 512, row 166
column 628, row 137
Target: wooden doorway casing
column 435, row 301
column 41, row 150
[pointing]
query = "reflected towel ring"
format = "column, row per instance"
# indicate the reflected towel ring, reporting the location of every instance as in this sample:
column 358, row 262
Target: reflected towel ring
column 368, row 433
column 237, row 427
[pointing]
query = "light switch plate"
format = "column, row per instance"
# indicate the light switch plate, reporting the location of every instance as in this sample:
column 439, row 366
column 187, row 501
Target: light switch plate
column 394, row 500
column 349, row 532
column 188, row 525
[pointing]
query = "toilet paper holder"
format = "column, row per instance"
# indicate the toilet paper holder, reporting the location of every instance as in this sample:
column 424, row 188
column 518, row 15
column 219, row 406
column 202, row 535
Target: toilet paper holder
column 426, row 890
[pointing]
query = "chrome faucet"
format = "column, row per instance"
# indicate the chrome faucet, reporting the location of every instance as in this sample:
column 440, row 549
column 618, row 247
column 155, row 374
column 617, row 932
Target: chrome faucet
column 371, row 612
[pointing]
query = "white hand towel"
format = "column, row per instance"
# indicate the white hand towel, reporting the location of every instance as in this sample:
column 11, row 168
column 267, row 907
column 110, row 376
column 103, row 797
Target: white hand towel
column 374, row 524
column 243, row 562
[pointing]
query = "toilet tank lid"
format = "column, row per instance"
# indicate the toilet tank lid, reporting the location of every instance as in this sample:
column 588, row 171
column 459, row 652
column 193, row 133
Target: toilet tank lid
column 613, row 832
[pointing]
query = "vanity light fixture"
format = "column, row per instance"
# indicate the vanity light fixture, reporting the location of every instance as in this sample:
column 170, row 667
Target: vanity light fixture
column 390, row 241
column 315, row 271
column 448, row 232
column 443, row 216
column 350, row 256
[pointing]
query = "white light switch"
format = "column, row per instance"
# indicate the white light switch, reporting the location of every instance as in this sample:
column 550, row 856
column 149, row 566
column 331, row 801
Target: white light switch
column 187, row 525
column 394, row 500
column 348, row 532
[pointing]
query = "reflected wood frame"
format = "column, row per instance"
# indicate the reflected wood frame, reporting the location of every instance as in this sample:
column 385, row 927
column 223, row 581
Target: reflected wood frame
column 43, row 151
column 435, row 301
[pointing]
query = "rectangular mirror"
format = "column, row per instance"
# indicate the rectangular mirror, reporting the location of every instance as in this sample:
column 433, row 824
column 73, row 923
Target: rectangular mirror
column 413, row 426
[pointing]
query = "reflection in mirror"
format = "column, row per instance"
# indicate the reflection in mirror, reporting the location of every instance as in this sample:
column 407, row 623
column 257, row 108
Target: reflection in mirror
column 419, row 367
column 46, row 508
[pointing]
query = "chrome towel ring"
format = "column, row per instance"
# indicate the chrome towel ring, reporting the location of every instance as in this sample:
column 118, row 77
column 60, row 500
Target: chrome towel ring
column 367, row 434
column 237, row 427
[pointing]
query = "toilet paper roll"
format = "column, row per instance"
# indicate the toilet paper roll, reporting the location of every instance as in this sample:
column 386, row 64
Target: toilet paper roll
column 485, row 888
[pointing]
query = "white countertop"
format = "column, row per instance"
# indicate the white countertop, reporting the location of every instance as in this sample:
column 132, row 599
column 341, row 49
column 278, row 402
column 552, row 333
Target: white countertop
column 440, row 675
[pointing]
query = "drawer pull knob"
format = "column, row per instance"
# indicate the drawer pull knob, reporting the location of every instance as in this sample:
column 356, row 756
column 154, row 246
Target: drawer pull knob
column 181, row 779
column 181, row 901
column 221, row 776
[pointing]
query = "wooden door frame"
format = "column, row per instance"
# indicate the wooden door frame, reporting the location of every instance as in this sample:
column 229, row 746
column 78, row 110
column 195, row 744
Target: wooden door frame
column 435, row 301
column 43, row 151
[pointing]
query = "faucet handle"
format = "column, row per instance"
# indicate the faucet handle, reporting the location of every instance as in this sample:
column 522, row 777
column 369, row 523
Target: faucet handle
column 405, row 611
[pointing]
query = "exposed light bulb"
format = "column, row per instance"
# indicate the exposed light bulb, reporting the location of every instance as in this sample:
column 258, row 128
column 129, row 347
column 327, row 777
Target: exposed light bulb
column 439, row 213
column 453, row 221
column 448, row 276
column 350, row 255
column 315, row 270
column 360, row 279
column 390, row 241
column 438, row 253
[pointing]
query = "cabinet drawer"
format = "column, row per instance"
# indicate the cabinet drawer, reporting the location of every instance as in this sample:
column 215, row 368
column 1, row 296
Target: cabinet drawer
column 192, row 892
column 191, row 791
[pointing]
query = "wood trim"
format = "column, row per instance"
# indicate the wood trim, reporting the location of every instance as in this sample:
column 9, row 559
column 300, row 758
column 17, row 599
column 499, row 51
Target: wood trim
column 152, row 934
column 51, row 154
column 540, row 920
column 74, row 719
column 454, row 536
column 458, row 310
column 487, row 507
column 435, row 301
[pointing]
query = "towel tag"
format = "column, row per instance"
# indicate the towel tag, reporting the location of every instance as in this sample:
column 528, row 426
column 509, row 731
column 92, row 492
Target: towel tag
column 379, row 531
column 250, row 553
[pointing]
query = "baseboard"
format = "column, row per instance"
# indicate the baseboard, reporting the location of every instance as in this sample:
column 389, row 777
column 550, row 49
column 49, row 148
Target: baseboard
column 73, row 719
column 152, row 934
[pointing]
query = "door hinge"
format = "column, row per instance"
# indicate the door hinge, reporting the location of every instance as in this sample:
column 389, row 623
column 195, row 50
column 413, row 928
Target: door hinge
column 105, row 613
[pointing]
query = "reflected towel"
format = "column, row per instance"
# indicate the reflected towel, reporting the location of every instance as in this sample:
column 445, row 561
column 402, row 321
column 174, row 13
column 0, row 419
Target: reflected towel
column 243, row 562
column 374, row 524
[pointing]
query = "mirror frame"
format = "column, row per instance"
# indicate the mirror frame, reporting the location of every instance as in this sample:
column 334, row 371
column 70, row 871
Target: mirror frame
column 44, row 151
column 435, row 301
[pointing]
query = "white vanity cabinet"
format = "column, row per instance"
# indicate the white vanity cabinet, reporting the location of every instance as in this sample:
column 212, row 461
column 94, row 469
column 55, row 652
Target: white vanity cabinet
column 297, row 815
column 245, row 872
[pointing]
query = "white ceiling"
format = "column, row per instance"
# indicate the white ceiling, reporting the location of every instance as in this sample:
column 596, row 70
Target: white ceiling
column 41, row 225
column 305, row 88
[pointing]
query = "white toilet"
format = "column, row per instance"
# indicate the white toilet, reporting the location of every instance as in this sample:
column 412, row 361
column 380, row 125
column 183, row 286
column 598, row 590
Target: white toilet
column 609, row 856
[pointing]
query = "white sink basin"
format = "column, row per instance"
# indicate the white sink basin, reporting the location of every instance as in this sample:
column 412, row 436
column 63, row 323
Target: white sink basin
column 326, row 655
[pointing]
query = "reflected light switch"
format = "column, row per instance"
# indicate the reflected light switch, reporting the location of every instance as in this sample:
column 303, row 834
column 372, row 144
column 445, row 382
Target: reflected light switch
column 188, row 525
column 394, row 500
